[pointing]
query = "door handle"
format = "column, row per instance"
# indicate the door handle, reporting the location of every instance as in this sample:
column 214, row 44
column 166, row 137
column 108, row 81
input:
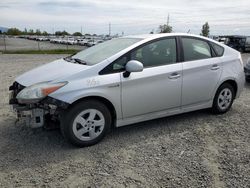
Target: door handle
column 215, row 67
column 174, row 76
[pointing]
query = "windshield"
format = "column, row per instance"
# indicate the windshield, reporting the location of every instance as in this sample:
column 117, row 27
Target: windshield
column 102, row 51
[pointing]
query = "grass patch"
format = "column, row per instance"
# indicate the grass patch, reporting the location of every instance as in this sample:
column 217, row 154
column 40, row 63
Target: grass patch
column 54, row 51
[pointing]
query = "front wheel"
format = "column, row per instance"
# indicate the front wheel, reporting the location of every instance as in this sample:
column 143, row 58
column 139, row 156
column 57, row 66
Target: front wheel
column 223, row 99
column 86, row 123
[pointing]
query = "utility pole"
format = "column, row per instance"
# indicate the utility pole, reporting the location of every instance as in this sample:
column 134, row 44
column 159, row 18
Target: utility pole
column 109, row 29
column 4, row 43
column 81, row 29
column 168, row 20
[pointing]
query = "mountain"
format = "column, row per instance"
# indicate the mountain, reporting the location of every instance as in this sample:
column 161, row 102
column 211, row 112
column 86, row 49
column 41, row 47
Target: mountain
column 3, row 29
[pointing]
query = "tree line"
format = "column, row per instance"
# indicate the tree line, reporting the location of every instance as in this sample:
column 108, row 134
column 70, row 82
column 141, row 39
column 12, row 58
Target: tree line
column 15, row 31
column 165, row 28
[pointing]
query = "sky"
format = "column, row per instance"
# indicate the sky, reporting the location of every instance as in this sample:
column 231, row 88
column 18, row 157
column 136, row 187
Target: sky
column 225, row 17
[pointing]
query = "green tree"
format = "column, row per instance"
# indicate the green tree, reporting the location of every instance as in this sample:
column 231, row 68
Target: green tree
column 31, row 32
column 45, row 33
column 165, row 28
column 38, row 32
column 61, row 33
column 25, row 32
column 205, row 30
column 14, row 31
column 77, row 34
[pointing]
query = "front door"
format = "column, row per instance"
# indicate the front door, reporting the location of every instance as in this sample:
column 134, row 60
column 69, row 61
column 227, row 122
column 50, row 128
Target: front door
column 158, row 86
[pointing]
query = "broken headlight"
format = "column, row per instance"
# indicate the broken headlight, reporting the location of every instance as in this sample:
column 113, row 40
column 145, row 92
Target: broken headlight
column 37, row 92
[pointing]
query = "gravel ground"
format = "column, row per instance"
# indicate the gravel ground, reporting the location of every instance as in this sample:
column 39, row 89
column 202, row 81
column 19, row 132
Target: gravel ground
column 25, row 44
column 196, row 149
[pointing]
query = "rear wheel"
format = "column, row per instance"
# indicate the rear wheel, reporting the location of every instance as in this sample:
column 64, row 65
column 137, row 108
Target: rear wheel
column 223, row 99
column 86, row 123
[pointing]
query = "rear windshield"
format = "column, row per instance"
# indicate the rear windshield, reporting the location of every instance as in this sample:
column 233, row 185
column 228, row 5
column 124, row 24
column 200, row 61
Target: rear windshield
column 102, row 51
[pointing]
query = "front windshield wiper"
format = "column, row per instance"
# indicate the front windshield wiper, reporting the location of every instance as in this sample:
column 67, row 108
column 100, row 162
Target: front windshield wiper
column 80, row 61
column 75, row 60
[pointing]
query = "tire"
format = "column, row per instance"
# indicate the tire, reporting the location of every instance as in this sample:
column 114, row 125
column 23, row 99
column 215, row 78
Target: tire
column 86, row 123
column 223, row 99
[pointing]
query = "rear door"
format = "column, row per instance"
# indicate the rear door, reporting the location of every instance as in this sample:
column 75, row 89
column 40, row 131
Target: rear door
column 201, row 71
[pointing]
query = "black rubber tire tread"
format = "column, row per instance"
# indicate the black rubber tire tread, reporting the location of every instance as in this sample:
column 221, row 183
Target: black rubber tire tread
column 216, row 109
column 68, row 116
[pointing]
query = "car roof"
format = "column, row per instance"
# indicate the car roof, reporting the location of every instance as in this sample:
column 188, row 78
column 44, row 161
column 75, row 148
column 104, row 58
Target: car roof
column 155, row 36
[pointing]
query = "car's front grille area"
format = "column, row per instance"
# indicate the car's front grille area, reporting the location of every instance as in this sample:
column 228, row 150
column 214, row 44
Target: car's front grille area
column 15, row 88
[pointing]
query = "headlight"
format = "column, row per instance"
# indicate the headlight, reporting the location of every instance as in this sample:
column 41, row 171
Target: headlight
column 36, row 92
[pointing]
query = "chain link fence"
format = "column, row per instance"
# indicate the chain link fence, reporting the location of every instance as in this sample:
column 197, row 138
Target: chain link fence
column 10, row 43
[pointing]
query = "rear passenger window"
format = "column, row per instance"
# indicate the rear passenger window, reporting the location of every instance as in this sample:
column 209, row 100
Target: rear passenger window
column 195, row 49
column 218, row 49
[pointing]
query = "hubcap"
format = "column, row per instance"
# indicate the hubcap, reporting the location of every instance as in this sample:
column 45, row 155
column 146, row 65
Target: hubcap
column 225, row 99
column 88, row 124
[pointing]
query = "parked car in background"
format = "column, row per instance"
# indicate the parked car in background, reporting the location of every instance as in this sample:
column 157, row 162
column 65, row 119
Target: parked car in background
column 128, row 80
column 71, row 41
column 42, row 38
column 99, row 41
column 82, row 42
column 247, row 70
column 222, row 40
column 91, row 43
column 56, row 40
column 240, row 43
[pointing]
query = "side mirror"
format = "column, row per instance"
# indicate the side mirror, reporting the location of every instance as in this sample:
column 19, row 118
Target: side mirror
column 133, row 66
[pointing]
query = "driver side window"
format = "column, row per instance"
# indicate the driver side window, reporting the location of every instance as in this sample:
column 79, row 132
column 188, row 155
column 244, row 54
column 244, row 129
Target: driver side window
column 120, row 63
column 157, row 53
column 162, row 52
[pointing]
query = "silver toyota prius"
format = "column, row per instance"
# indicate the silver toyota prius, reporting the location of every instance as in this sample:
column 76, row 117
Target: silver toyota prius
column 128, row 80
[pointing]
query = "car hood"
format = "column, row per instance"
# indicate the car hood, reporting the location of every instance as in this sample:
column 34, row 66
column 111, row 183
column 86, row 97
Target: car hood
column 50, row 72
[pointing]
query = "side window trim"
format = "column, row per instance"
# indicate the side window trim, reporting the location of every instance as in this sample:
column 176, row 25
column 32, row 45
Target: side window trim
column 128, row 55
column 156, row 40
column 108, row 70
column 213, row 54
column 216, row 54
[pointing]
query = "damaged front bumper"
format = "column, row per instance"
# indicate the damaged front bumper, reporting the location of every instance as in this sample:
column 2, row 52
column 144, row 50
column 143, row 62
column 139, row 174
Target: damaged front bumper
column 37, row 114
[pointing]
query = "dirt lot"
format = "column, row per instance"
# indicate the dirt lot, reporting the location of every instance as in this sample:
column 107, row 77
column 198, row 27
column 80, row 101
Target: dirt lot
column 195, row 149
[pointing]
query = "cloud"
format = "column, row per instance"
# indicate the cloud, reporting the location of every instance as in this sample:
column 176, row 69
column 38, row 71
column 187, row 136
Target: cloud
column 129, row 16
